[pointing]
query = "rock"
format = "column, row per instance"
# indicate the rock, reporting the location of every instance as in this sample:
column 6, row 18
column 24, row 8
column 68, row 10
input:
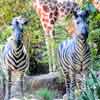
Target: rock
column 34, row 83
column 14, row 98
column 42, row 81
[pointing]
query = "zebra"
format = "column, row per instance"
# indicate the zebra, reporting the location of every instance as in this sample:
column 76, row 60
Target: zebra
column 74, row 55
column 15, row 55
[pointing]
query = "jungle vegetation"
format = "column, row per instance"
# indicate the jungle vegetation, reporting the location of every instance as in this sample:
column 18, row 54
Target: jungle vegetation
column 34, row 37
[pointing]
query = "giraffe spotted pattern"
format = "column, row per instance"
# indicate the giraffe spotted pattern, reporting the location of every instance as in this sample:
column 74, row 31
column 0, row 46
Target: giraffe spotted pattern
column 49, row 12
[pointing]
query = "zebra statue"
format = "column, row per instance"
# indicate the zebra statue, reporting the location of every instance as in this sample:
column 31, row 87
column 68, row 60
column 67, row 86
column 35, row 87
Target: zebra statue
column 74, row 55
column 15, row 55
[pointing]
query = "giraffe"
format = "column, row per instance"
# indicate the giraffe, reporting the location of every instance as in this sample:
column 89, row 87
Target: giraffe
column 49, row 12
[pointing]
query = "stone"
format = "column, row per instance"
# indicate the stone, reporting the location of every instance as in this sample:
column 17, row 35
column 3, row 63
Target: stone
column 42, row 81
column 14, row 98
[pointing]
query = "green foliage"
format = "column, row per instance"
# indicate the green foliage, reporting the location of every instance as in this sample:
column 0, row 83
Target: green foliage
column 33, row 31
column 35, row 42
column 92, row 88
column 5, row 34
column 45, row 94
column 94, row 25
column 96, row 63
column 89, row 5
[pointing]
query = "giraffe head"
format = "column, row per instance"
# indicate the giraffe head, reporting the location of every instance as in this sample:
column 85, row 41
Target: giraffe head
column 17, row 25
column 80, row 21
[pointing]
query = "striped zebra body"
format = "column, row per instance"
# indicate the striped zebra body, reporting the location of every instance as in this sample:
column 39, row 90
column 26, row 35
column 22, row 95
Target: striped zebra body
column 74, row 59
column 74, row 54
column 17, row 59
column 16, row 62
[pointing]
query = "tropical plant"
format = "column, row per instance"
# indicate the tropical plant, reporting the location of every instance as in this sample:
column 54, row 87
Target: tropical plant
column 92, row 87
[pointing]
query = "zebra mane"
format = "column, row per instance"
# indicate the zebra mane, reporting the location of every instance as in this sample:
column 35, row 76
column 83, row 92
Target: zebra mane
column 11, row 42
column 10, row 38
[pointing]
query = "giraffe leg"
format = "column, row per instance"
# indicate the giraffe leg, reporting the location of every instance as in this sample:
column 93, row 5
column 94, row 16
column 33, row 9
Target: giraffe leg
column 53, row 54
column 47, row 40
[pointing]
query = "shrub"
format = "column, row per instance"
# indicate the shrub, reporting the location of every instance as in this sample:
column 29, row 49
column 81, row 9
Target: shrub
column 45, row 94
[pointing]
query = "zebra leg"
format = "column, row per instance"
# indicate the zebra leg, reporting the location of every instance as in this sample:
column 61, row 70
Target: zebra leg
column 84, row 78
column 67, row 83
column 9, row 84
column 79, row 84
column 80, row 79
column 22, row 83
column 72, row 85
column 4, row 87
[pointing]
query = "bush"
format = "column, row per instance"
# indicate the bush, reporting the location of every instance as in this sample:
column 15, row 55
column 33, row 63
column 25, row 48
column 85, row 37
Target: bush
column 45, row 94
column 92, row 88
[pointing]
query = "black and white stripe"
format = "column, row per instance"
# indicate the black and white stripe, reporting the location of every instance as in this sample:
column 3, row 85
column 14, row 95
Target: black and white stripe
column 17, row 59
column 74, row 58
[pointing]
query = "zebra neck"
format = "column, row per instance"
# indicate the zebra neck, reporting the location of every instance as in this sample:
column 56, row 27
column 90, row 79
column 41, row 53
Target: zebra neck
column 19, row 49
column 85, row 35
column 17, row 30
column 82, row 37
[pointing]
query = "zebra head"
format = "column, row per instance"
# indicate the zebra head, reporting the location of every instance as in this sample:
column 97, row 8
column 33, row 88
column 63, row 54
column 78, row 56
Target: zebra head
column 17, row 25
column 80, row 21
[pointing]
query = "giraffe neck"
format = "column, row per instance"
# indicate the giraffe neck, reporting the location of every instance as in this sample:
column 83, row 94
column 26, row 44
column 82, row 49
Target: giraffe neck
column 50, row 11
